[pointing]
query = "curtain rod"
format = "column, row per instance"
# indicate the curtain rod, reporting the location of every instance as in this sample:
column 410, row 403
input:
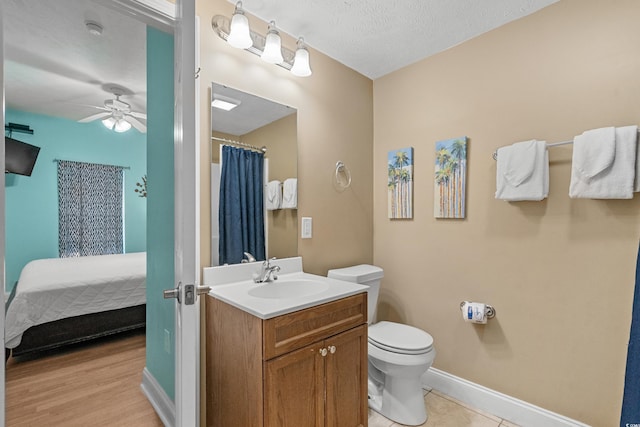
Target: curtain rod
column 89, row 163
column 552, row 144
column 242, row 144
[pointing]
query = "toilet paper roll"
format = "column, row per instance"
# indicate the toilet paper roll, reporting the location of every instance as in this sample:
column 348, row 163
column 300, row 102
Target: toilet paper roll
column 474, row 312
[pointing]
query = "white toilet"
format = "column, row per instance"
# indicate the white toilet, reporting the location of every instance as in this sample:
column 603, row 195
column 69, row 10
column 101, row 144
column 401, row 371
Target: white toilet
column 398, row 355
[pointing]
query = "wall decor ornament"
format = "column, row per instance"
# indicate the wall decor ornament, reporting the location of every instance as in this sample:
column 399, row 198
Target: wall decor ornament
column 400, row 183
column 142, row 187
column 450, row 179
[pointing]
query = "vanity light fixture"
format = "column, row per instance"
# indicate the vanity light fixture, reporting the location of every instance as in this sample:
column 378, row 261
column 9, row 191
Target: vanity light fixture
column 267, row 47
column 272, row 46
column 239, row 34
column 301, row 66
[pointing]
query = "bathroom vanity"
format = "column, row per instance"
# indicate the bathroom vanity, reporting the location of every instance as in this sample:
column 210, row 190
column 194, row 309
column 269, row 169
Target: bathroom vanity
column 303, row 367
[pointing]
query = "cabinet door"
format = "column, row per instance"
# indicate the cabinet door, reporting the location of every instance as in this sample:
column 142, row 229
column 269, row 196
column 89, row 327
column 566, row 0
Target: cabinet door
column 346, row 379
column 294, row 389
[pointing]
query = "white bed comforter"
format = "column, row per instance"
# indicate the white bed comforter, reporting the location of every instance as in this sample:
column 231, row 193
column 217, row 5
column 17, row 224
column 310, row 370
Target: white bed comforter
column 53, row 289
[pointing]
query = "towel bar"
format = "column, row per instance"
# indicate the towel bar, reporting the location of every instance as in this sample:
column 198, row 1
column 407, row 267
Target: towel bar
column 553, row 144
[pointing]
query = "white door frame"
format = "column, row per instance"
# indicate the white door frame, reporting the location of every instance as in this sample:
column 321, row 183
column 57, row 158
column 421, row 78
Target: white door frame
column 2, row 224
column 187, row 216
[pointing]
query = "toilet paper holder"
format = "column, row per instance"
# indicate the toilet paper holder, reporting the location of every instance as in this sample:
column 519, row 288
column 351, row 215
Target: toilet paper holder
column 489, row 311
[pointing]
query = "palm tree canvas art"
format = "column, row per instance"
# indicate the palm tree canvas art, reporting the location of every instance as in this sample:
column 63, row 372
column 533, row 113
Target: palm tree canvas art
column 450, row 178
column 400, row 183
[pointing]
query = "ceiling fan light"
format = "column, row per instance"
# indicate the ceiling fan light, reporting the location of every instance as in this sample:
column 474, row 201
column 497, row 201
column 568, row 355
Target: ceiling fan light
column 301, row 66
column 239, row 33
column 122, row 126
column 109, row 122
column 273, row 46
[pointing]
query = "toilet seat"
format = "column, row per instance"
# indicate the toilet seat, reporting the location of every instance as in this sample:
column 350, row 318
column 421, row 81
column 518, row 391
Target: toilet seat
column 399, row 338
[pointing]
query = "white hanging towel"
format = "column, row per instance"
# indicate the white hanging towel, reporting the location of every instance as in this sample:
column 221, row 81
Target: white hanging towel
column 522, row 171
column 603, row 163
column 290, row 193
column 274, row 195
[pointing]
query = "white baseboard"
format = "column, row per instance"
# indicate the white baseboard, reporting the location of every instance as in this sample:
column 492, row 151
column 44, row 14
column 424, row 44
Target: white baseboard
column 158, row 398
column 493, row 402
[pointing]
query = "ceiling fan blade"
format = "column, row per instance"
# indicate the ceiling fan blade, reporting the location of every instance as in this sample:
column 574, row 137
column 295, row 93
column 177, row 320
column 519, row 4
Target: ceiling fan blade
column 137, row 115
column 136, row 124
column 95, row 117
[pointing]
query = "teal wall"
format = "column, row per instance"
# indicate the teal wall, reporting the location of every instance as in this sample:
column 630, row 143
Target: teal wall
column 32, row 201
column 160, row 361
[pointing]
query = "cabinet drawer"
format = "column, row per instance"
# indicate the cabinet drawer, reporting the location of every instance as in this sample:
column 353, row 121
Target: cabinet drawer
column 288, row 332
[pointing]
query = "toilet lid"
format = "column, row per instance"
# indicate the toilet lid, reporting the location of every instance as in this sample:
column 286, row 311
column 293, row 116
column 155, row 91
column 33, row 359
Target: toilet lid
column 399, row 338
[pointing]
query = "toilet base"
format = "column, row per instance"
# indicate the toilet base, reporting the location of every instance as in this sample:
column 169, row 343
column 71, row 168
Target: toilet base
column 401, row 400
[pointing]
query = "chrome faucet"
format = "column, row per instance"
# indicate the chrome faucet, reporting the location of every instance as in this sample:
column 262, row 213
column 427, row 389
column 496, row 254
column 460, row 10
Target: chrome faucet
column 267, row 272
column 248, row 258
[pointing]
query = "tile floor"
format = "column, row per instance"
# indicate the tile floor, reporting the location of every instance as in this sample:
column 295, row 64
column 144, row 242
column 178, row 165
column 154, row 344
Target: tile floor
column 444, row 411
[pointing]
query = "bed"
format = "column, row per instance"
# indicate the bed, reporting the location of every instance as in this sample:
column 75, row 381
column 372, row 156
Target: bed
column 60, row 301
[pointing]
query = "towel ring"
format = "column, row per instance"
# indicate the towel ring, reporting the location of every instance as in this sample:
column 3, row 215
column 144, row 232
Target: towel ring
column 343, row 176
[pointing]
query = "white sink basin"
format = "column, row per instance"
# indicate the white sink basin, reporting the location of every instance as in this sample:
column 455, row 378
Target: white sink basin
column 293, row 288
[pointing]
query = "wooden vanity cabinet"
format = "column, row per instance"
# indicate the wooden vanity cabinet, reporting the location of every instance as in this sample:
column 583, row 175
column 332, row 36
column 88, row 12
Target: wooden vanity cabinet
column 306, row 368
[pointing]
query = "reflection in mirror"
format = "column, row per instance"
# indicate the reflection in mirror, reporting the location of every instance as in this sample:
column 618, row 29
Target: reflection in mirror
column 243, row 123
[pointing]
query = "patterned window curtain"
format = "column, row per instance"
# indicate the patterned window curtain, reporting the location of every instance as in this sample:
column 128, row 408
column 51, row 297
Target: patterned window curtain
column 90, row 200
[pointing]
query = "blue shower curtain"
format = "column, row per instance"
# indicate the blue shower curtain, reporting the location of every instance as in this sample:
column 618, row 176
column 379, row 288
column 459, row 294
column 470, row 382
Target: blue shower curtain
column 241, row 218
column 631, row 401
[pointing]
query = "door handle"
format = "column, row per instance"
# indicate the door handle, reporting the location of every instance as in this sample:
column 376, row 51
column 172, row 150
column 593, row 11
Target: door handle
column 189, row 293
column 202, row 289
column 172, row 293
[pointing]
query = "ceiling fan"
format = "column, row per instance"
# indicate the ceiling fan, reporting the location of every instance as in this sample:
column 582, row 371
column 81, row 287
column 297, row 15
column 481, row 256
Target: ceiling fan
column 117, row 115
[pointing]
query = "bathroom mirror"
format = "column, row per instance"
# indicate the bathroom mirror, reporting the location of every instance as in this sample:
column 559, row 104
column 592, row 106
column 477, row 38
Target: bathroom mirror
column 251, row 123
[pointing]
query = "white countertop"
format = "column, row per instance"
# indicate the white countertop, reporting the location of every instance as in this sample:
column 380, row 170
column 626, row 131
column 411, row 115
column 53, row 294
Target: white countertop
column 238, row 294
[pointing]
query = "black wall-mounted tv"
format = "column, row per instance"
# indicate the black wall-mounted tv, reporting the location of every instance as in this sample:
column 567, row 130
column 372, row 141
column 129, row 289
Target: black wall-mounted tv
column 19, row 157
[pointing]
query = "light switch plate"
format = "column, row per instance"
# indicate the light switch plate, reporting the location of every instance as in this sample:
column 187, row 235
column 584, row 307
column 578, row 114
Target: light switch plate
column 307, row 227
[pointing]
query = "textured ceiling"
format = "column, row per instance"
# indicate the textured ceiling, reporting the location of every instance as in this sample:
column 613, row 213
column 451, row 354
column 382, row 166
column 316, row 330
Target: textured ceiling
column 54, row 66
column 252, row 112
column 376, row 37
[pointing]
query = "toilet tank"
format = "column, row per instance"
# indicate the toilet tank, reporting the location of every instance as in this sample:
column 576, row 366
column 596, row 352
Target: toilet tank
column 362, row 274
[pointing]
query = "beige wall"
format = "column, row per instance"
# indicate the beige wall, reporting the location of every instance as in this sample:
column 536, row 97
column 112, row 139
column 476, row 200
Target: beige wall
column 335, row 122
column 560, row 273
column 280, row 138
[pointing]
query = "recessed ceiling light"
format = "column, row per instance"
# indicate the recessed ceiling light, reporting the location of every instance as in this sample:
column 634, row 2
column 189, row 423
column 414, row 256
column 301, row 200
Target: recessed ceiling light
column 224, row 103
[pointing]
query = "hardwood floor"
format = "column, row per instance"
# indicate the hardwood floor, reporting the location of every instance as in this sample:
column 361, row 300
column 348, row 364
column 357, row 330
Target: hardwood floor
column 96, row 384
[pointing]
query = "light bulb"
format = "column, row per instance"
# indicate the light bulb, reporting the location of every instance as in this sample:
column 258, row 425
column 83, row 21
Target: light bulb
column 122, row 126
column 239, row 33
column 272, row 46
column 301, row 66
column 109, row 122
